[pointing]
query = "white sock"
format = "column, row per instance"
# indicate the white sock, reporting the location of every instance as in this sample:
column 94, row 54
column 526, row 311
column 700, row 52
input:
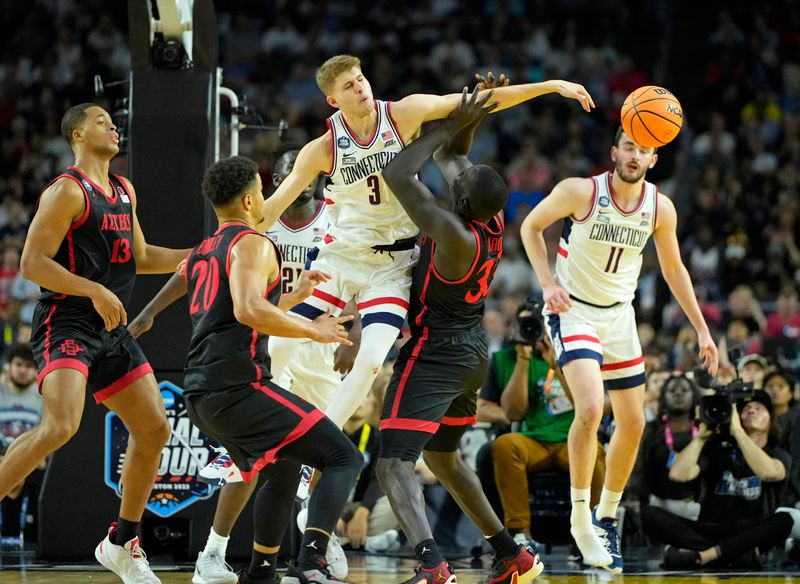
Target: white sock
column 216, row 543
column 609, row 501
column 581, row 516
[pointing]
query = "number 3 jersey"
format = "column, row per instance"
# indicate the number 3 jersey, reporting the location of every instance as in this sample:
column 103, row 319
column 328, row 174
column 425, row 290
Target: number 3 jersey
column 294, row 241
column 441, row 304
column 223, row 352
column 363, row 211
column 600, row 255
column 99, row 244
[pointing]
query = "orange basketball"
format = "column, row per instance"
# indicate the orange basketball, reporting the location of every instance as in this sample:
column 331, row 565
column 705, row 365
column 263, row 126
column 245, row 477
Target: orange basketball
column 651, row 116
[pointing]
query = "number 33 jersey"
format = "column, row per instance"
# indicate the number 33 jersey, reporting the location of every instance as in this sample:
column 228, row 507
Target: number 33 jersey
column 600, row 255
column 441, row 304
column 363, row 211
column 294, row 241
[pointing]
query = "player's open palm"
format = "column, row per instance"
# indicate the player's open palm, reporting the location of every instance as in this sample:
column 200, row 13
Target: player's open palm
column 308, row 280
column 330, row 329
column 575, row 91
column 472, row 107
column 556, row 299
column 109, row 307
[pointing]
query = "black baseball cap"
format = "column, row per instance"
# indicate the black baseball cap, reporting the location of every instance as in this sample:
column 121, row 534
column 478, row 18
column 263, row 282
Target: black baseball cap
column 759, row 396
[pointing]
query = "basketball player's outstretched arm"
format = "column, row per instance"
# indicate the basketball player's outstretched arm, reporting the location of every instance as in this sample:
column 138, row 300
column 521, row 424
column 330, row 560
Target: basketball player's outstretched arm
column 677, row 277
column 443, row 225
column 569, row 197
column 252, row 262
column 59, row 206
column 175, row 288
column 151, row 259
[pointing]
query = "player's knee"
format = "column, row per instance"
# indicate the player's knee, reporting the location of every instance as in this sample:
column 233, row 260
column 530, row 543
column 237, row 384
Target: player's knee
column 589, row 413
column 440, row 462
column 55, row 433
column 153, row 435
column 386, row 467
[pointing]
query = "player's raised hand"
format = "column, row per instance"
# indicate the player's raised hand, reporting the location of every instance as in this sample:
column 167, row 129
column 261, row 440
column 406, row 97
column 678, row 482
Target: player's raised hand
column 556, row 299
column 330, row 329
column 471, row 108
column 708, row 352
column 308, row 280
column 577, row 92
column 489, row 82
column 109, row 307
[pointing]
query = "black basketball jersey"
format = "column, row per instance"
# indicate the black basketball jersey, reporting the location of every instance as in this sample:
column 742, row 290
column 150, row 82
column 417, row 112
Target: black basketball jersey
column 99, row 244
column 439, row 303
column 223, row 352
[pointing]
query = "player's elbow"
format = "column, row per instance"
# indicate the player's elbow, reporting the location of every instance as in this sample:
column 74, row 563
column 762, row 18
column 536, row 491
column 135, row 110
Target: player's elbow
column 244, row 313
column 28, row 264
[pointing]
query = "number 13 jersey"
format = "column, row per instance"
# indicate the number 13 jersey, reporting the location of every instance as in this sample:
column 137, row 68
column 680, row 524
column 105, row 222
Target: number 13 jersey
column 363, row 211
column 600, row 255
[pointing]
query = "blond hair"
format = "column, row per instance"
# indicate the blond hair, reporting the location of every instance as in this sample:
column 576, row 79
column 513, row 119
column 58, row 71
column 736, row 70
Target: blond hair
column 334, row 67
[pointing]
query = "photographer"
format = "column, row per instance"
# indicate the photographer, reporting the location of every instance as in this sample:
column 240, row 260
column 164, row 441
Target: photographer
column 742, row 473
column 532, row 390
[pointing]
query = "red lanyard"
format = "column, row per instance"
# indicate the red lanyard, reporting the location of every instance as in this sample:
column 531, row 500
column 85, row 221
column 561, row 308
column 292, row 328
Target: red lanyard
column 668, row 438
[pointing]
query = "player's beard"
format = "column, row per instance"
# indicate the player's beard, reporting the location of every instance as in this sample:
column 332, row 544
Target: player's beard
column 626, row 175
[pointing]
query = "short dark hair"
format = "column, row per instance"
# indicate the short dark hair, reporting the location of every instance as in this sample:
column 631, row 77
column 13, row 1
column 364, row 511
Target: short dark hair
column 21, row 351
column 618, row 135
column 486, row 191
column 74, row 118
column 282, row 148
column 227, row 179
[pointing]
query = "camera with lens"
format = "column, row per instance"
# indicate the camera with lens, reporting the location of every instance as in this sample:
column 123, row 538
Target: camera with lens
column 530, row 327
column 716, row 409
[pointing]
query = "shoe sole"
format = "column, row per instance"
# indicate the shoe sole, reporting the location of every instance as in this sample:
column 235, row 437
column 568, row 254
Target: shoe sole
column 525, row 577
column 99, row 556
column 198, row 579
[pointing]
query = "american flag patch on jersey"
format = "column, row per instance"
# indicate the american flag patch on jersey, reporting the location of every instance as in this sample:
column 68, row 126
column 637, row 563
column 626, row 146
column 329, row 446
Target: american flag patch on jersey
column 387, row 135
column 318, row 231
column 646, row 215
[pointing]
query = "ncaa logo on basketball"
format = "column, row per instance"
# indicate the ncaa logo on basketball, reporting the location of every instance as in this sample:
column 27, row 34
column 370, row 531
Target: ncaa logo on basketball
column 344, row 142
column 187, row 451
column 603, row 201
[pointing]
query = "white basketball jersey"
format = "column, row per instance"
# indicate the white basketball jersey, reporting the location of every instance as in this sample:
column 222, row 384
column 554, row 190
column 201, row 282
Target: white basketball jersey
column 294, row 241
column 600, row 255
column 363, row 211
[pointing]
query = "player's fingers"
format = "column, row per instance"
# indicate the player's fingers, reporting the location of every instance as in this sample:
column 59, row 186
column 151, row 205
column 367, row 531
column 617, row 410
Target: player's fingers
column 464, row 95
column 123, row 316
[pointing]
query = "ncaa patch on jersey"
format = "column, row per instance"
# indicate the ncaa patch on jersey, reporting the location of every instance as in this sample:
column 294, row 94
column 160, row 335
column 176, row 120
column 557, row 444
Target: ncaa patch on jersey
column 344, row 142
column 86, row 185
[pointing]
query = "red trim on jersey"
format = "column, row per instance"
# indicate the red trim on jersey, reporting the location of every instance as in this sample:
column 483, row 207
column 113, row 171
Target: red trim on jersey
column 394, row 123
column 562, row 252
column 655, row 213
column 329, row 298
column 422, row 295
column 333, row 146
column 465, row 421
column 384, row 300
column 97, row 186
column 186, row 267
column 65, row 363
column 622, row 364
column 230, row 247
column 308, row 222
column 406, row 372
column 498, row 230
column 87, row 207
column 124, row 186
column 71, row 249
column 228, row 224
column 614, row 201
column 352, row 134
column 580, row 338
column 123, row 382
column 410, row 424
column 591, row 207
column 471, row 268
column 253, row 342
column 47, row 330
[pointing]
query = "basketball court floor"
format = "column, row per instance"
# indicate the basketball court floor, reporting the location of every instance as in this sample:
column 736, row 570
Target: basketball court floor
column 642, row 567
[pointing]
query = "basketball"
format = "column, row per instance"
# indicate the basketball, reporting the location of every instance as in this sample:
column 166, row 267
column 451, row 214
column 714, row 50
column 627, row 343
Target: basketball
column 651, row 116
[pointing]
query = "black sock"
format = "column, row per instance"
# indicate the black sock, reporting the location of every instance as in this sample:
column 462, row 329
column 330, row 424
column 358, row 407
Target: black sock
column 312, row 549
column 503, row 544
column 126, row 531
column 11, row 510
column 262, row 566
column 428, row 553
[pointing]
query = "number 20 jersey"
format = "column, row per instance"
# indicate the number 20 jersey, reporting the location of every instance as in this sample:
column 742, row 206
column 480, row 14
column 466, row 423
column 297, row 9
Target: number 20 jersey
column 600, row 255
column 363, row 211
column 452, row 305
